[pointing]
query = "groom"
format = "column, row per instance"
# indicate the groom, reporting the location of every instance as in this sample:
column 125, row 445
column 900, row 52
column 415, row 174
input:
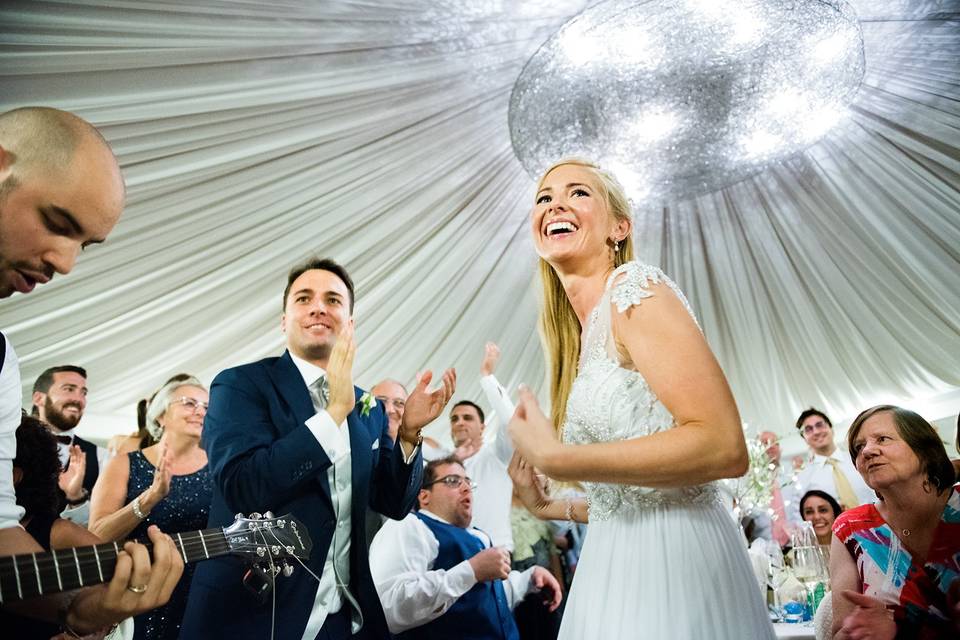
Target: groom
column 293, row 435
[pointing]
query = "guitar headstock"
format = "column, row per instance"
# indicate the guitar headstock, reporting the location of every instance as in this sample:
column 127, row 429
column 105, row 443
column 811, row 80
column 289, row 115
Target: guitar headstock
column 264, row 536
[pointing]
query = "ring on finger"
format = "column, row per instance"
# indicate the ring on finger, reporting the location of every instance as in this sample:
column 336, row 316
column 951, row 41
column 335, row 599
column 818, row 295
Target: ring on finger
column 137, row 588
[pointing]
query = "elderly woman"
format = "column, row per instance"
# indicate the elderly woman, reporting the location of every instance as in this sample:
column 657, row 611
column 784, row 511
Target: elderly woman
column 897, row 562
column 167, row 484
column 820, row 509
column 144, row 436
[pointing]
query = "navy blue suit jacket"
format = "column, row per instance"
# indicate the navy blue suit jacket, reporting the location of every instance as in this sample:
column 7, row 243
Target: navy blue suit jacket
column 263, row 458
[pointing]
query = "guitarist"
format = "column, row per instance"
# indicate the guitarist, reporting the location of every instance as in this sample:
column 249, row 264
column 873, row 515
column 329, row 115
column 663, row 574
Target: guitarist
column 61, row 190
column 292, row 434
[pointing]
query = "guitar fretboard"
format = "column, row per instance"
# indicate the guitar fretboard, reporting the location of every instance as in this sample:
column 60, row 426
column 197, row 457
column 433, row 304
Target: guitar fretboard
column 35, row 574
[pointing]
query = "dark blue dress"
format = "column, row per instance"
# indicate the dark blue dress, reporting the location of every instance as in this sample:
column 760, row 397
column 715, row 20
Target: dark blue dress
column 185, row 508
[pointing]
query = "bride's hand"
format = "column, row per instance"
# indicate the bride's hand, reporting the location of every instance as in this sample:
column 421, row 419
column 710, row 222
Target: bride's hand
column 528, row 485
column 532, row 433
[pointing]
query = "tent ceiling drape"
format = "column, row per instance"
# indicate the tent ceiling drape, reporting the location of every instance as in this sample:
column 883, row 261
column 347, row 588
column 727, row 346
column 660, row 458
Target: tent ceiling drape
column 252, row 135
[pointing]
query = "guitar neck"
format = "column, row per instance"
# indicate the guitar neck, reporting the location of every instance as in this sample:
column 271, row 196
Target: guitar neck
column 28, row 575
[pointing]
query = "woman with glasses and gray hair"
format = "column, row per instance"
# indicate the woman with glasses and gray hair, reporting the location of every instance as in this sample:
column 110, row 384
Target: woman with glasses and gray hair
column 895, row 564
column 167, row 484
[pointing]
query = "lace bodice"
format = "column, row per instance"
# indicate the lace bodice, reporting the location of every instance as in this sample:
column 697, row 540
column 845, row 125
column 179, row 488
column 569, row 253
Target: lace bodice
column 609, row 402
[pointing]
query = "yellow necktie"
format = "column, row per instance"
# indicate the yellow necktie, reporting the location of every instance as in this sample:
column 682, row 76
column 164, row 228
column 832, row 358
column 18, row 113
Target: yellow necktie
column 848, row 497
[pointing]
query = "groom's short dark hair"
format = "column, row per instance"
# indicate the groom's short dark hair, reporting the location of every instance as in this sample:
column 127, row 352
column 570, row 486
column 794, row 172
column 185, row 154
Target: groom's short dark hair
column 323, row 264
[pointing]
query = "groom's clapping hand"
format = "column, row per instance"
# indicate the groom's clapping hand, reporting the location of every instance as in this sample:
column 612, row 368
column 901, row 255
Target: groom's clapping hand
column 340, row 375
column 491, row 564
column 424, row 406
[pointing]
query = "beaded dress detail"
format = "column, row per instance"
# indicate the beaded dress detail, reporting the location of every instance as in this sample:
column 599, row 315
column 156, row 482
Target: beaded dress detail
column 656, row 563
column 609, row 402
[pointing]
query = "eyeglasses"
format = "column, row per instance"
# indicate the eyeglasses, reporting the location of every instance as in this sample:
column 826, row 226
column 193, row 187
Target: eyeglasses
column 191, row 403
column 396, row 402
column 454, row 482
column 817, row 426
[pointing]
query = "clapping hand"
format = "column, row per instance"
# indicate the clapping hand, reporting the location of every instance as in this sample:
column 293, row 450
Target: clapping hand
column 71, row 478
column 340, row 375
column 532, row 432
column 160, row 486
column 466, row 448
column 491, row 564
column 546, row 583
column 424, row 406
column 491, row 355
column 871, row 620
column 530, row 488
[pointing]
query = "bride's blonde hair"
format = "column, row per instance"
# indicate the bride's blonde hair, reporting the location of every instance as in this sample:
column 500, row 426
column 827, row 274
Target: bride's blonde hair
column 559, row 326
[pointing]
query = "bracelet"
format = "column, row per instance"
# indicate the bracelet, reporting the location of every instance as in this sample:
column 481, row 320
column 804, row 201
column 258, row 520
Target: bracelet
column 136, row 509
column 568, row 512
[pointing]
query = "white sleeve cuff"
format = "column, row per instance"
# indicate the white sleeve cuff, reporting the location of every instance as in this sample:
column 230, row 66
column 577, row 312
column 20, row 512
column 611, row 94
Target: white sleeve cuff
column 461, row 578
column 328, row 434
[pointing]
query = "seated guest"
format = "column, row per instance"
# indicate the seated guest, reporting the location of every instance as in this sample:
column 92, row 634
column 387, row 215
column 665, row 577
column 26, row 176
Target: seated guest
column 142, row 438
column 820, row 509
column 36, row 473
column 167, row 484
column 897, row 562
column 438, row 577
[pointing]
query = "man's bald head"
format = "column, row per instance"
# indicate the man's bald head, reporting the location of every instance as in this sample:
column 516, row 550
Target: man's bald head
column 60, row 190
column 770, row 440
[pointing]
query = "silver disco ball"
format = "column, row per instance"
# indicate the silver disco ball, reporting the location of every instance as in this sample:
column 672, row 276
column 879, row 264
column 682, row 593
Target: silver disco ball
column 681, row 97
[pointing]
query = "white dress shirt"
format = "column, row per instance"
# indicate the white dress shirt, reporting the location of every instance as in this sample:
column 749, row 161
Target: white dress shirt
column 335, row 579
column 411, row 591
column 10, row 511
column 818, row 474
column 488, row 468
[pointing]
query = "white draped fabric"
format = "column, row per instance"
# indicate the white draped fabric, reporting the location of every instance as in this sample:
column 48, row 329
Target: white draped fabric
column 254, row 134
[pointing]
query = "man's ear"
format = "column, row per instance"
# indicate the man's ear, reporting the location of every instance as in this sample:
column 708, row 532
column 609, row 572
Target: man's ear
column 38, row 398
column 423, row 498
column 283, row 323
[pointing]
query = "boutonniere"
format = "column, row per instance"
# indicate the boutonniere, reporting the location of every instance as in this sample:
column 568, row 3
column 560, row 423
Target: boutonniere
column 366, row 403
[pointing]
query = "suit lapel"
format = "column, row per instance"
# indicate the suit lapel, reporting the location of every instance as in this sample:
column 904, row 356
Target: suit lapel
column 291, row 388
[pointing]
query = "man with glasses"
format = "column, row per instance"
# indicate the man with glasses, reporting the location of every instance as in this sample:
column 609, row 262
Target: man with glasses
column 59, row 399
column 438, row 577
column 828, row 468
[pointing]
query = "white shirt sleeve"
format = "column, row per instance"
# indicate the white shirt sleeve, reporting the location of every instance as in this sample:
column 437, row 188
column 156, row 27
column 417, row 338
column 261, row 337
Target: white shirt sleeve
column 10, row 511
column 503, row 408
column 411, row 591
column 329, row 435
column 516, row 586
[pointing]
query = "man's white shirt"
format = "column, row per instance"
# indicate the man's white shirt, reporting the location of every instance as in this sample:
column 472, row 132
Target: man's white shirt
column 411, row 591
column 10, row 409
column 818, row 474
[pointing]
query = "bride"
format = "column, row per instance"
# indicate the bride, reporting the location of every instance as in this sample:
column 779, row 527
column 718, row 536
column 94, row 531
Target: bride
column 648, row 422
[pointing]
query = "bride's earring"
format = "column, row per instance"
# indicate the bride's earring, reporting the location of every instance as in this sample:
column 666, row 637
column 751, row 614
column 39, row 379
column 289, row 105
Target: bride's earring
column 616, row 246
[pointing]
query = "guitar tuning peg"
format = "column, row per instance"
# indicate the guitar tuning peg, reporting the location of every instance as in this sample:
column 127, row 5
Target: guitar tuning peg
column 255, row 516
column 287, row 570
column 268, row 515
column 238, row 517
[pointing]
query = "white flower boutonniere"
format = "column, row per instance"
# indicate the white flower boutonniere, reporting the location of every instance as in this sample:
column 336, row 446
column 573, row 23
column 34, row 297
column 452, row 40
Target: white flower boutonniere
column 366, row 403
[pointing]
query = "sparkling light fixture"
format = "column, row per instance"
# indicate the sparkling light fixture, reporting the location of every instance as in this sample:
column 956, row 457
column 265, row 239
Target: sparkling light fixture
column 680, row 97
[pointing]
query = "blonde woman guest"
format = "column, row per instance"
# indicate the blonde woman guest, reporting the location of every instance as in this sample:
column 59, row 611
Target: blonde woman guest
column 167, row 484
column 897, row 562
column 143, row 437
column 642, row 416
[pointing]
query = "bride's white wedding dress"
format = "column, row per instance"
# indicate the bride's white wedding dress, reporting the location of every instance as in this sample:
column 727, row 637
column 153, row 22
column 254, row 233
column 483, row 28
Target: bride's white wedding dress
column 657, row 563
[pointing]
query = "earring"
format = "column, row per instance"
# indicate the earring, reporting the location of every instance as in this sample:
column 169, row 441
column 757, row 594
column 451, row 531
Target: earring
column 616, row 246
